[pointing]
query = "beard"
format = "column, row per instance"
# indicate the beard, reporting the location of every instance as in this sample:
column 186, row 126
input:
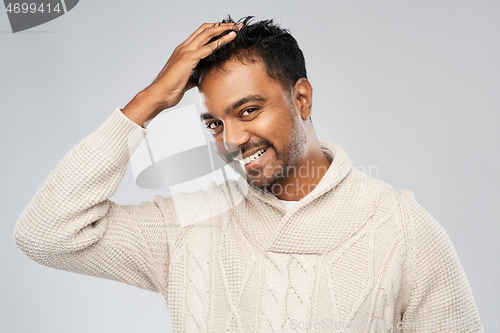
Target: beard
column 281, row 164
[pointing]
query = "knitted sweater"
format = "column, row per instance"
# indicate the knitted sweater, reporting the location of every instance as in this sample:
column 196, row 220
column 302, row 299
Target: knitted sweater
column 354, row 255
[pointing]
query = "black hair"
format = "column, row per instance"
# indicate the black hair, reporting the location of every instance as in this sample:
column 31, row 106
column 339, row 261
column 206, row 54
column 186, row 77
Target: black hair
column 261, row 40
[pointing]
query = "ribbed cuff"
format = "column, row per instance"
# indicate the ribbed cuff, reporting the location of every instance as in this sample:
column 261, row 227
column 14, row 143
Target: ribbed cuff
column 118, row 137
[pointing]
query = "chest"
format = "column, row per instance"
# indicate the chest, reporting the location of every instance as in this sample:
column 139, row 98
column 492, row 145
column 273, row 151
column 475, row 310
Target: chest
column 219, row 280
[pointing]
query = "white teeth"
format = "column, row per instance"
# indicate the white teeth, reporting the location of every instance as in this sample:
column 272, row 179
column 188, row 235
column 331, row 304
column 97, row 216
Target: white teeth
column 252, row 157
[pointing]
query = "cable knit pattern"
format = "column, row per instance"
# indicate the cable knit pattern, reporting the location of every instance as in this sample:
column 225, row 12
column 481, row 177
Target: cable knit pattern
column 354, row 255
column 197, row 303
column 300, row 292
column 276, row 283
column 237, row 262
column 351, row 283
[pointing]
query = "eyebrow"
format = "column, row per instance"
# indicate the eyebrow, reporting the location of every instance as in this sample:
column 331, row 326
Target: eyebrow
column 234, row 106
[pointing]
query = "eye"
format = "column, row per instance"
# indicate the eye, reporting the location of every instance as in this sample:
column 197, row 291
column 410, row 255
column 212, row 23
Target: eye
column 214, row 126
column 248, row 111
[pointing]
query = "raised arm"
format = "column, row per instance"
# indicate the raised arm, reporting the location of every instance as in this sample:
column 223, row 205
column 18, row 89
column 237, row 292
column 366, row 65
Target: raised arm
column 173, row 80
column 72, row 225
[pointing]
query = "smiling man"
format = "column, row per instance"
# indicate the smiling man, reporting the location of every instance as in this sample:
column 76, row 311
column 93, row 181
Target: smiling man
column 304, row 241
column 264, row 122
column 257, row 102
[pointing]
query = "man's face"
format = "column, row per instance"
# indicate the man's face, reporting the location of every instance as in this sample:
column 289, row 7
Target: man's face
column 253, row 119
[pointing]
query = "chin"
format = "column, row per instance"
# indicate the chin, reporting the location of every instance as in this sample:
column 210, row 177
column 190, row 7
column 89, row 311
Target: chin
column 262, row 182
column 257, row 183
column 263, row 177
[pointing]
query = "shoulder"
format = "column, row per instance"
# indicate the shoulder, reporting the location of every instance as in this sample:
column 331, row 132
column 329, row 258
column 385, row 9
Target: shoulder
column 415, row 222
column 386, row 200
column 396, row 207
column 418, row 222
column 426, row 238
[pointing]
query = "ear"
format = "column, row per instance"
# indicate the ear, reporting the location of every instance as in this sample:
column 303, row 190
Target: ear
column 302, row 97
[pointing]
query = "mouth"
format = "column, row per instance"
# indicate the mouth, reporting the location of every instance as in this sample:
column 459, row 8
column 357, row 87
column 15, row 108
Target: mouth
column 252, row 158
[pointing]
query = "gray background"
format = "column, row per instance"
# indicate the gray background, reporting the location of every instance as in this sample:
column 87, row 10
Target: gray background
column 410, row 89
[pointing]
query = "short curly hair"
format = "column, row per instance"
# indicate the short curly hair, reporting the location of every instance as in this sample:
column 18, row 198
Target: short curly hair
column 261, row 40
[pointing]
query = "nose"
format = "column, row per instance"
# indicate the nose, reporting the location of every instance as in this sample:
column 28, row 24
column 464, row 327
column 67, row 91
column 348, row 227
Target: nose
column 235, row 135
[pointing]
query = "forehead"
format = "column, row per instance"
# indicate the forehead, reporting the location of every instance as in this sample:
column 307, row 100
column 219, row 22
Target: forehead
column 235, row 80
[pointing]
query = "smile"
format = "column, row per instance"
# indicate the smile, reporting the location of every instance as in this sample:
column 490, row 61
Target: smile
column 253, row 157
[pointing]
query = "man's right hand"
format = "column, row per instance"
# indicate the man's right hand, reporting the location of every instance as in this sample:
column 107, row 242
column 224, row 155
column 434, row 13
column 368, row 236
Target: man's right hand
column 173, row 81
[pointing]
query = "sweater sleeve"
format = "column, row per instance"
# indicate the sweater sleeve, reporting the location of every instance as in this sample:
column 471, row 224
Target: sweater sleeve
column 72, row 225
column 441, row 298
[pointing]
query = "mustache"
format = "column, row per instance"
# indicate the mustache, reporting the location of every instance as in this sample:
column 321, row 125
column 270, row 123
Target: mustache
column 231, row 155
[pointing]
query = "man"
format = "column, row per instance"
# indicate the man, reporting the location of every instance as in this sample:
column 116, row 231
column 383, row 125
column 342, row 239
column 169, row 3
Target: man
column 303, row 241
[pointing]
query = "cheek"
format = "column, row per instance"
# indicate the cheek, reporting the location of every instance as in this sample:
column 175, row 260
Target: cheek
column 272, row 126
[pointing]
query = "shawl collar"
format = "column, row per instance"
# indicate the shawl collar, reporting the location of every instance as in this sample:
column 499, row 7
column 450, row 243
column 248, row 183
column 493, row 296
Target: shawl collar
column 337, row 208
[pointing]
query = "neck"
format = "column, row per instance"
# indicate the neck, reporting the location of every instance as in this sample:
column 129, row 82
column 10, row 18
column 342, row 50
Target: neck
column 303, row 177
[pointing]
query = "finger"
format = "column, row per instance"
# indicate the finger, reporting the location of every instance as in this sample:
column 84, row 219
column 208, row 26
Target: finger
column 208, row 33
column 206, row 50
column 205, row 26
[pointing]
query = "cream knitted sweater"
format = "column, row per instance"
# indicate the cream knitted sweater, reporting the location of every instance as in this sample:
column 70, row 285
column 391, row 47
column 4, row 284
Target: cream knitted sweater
column 354, row 255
